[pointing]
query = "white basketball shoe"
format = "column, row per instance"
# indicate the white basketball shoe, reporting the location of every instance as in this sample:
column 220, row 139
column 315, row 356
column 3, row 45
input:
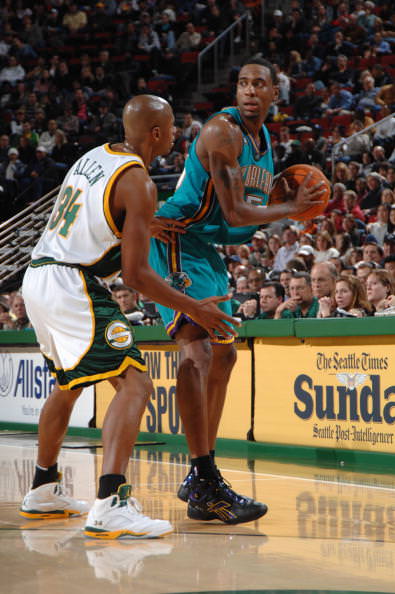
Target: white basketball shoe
column 48, row 502
column 119, row 516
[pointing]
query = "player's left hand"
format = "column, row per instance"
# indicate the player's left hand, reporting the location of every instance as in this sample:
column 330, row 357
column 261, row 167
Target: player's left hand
column 165, row 229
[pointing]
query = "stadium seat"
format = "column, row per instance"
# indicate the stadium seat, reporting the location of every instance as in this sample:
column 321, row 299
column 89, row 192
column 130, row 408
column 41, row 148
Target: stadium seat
column 189, row 57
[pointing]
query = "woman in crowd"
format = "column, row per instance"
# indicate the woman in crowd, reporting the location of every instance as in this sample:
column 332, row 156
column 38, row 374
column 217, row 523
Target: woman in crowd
column 323, row 245
column 387, row 196
column 380, row 290
column 349, row 299
column 391, row 220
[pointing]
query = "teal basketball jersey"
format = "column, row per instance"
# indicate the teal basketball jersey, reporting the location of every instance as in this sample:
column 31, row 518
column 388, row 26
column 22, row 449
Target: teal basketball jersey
column 195, row 200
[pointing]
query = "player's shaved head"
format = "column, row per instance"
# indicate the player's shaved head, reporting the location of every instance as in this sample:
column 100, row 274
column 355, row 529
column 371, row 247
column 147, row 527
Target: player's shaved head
column 144, row 112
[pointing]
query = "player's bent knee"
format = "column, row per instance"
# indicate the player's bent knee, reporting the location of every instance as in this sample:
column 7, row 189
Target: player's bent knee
column 224, row 359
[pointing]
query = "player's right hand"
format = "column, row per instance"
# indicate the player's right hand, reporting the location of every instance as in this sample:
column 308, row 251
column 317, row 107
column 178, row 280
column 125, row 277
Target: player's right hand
column 307, row 196
column 210, row 317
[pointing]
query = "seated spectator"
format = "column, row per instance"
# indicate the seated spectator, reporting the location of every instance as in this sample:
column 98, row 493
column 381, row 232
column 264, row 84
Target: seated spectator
column 47, row 138
column 380, row 45
column 6, row 321
column 379, row 158
column 308, row 105
column 354, row 169
column 389, row 244
column 74, row 20
column 270, row 297
column 379, row 227
column 324, row 244
column 242, row 292
column 284, row 85
column 187, row 126
column 105, row 123
column 363, row 269
column 361, row 188
column 256, row 278
column 273, row 243
column 340, row 101
column 312, row 155
column 366, row 99
column 371, row 251
column 11, row 171
column 389, row 265
column 359, row 144
column 375, row 187
column 26, row 150
column 349, row 300
column 12, row 73
column 301, row 303
column 63, row 153
column 353, row 256
column 380, row 290
column 340, row 47
column 391, row 220
column 342, row 174
column 127, row 300
column 344, row 75
column 323, row 278
column 189, row 40
column 391, row 177
column 18, row 313
column 350, row 201
column 243, row 251
column 306, row 252
column 311, row 64
column 343, row 244
column 288, row 249
column 148, row 40
column 285, row 279
column 40, row 176
column 296, row 264
column 385, row 97
column 249, row 308
column 30, row 134
column 337, row 200
column 165, row 32
column 387, row 197
column 366, row 18
column 4, row 147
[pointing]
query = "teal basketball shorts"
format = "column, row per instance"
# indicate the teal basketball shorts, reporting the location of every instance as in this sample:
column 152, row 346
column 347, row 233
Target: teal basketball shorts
column 193, row 267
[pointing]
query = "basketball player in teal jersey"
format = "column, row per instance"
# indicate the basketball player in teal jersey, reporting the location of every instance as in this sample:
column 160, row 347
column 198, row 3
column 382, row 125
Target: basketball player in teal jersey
column 226, row 182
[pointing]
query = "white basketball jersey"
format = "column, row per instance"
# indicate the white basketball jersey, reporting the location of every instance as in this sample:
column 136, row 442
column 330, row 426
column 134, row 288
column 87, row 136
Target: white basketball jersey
column 81, row 229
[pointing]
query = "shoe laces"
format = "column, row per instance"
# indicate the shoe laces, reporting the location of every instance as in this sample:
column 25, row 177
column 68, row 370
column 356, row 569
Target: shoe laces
column 227, row 486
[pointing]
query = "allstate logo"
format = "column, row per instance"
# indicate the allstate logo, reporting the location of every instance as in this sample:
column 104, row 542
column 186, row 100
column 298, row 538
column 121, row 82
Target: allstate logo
column 6, row 373
column 118, row 335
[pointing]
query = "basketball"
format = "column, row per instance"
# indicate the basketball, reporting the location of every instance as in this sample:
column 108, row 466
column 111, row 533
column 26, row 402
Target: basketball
column 294, row 176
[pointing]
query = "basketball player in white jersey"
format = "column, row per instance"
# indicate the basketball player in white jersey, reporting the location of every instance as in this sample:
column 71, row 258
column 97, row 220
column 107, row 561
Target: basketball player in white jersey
column 100, row 225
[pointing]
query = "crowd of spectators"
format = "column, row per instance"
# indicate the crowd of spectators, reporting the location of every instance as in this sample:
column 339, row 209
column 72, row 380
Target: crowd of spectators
column 335, row 67
column 67, row 68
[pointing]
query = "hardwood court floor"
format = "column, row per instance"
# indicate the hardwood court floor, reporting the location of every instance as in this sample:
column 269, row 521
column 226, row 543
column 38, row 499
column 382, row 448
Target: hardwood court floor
column 326, row 530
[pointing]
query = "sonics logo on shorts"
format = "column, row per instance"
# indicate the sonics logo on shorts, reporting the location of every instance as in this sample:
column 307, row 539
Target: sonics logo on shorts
column 118, row 335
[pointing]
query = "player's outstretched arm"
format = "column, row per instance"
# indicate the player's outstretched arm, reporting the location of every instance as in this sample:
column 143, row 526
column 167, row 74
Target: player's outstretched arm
column 138, row 205
column 219, row 147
